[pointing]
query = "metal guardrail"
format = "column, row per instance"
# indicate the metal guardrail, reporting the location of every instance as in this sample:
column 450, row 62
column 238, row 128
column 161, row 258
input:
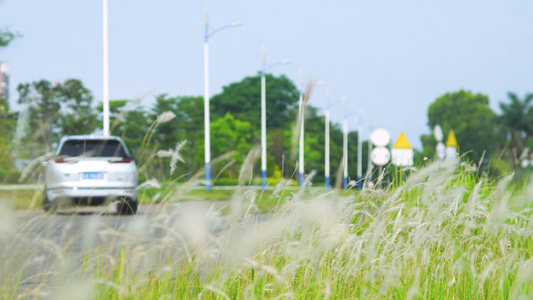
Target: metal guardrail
column 14, row 187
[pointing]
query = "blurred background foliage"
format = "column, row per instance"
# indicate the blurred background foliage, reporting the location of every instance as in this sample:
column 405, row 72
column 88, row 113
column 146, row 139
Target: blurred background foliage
column 496, row 143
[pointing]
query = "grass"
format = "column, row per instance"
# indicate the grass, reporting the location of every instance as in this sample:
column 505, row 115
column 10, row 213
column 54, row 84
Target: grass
column 265, row 202
column 445, row 232
column 21, row 199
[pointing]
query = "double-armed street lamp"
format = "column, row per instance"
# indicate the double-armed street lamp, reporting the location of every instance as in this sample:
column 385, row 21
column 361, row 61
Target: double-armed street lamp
column 209, row 31
column 264, row 69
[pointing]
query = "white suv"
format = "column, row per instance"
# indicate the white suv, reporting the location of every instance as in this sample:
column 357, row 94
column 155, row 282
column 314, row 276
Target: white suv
column 91, row 170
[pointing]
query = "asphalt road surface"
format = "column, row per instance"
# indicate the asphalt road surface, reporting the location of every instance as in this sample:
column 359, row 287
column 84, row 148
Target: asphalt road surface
column 38, row 250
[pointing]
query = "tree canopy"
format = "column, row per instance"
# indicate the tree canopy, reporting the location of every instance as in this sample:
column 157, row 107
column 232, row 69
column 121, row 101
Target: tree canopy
column 243, row 100
column 470, row 117
column 517, row 120
column 55, row 109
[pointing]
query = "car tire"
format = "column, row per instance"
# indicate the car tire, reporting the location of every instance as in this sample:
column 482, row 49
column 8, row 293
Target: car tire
column 49, row 207
column 127, row 206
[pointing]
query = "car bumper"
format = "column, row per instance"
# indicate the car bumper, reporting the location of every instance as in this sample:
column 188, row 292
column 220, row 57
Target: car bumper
column 83, row 192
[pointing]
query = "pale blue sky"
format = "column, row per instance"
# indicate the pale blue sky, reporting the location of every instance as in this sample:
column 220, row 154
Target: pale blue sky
column 389, row 58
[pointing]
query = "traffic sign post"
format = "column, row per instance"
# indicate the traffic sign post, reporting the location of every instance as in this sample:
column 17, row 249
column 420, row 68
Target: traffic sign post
column 380, row 137
column 380, row 155
column 402, row 152
column 441, row 150
column 451, row 146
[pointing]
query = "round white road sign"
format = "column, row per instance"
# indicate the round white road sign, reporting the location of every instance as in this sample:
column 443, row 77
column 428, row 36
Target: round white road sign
column 380, row 156
column 437, row 132
column 380, row 137
column 441, row 150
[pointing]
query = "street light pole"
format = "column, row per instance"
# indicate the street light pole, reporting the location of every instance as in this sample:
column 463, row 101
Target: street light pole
column 264, row 69
column 207, row 150
column 263, row 120
column 301, row 119
column 326, row 156
column 345, row 149
column 106, row 72
column 360, row 152
column 207, row 145
column 327, row 140
column 301, row 162
column 369, row 171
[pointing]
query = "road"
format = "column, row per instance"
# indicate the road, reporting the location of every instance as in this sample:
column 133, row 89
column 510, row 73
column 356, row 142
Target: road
column 44, row 249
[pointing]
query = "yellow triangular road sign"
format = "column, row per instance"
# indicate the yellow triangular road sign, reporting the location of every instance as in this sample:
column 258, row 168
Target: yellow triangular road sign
column 402, row 142
column 451, row 142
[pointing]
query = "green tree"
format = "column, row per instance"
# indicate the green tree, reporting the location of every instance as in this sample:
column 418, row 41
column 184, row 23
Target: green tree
column 133, row 127
column 191, row 118
column 166, row 135
column 470, row 117
column 517, row 121
column 8, row 122
column 116, row 110
column 77, row 114
column 243, row 100
column 314, row 145
column 8, row 119
column 42, row 128
column 187, row 125
column 230, row 134
column 127, row 120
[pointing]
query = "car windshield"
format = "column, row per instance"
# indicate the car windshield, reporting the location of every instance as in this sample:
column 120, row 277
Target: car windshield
column 93, row 148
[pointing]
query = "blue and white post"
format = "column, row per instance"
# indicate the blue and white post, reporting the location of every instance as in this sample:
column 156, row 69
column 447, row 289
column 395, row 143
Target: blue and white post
column 360, row 152
column 207, row 145
column 326, row 156
column 370, row 167
column 345, row 145
column 264, row 69
column 327, row 139
column 301, row 119
column 106, row 70
column 263, row 120
column 207, row 150
column 345, row 152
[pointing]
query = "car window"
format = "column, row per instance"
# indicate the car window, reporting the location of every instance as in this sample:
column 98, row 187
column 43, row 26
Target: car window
column 93, row 148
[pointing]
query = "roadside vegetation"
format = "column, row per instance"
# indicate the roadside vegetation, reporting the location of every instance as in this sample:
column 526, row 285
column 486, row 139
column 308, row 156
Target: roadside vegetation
column 445, row 232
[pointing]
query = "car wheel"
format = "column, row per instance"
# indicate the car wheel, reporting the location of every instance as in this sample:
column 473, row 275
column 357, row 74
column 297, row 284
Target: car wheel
column 49, row 207
column 127, row 206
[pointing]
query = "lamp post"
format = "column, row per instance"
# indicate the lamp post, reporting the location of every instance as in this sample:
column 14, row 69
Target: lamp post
column 301, row 140
column 302, row 131
column 345, row 142
column 264, row 69
column 207, row 152
column 369, row 171
column 345, row 147
column 106, row 72
column 326, row 146
column 360, row 151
